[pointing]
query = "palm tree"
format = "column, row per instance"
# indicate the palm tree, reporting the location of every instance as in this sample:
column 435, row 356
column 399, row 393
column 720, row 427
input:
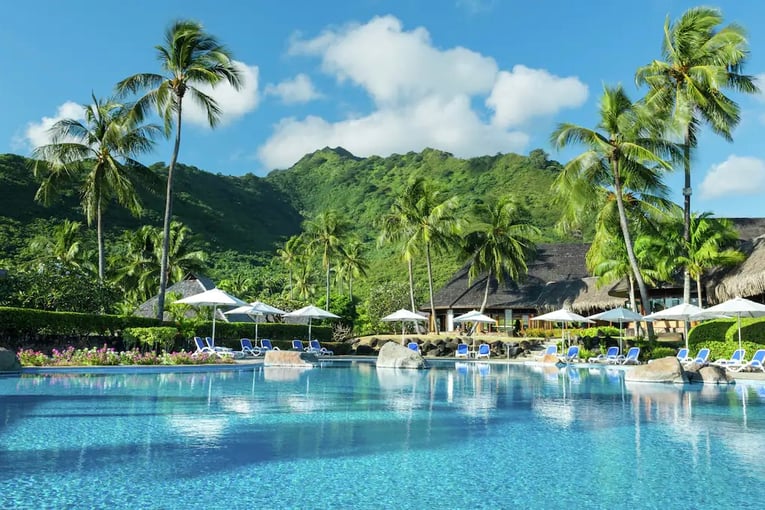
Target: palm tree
column 290, row 255
column 434, row 226
column 101, row 153
column 623, row 157
column 498, row 243
column 325, row 234
column 304, row 286
column 712, row 245
column 399, row 225
column 700, row 61
column 63, row 245
column 353, row 263
column 190, row 57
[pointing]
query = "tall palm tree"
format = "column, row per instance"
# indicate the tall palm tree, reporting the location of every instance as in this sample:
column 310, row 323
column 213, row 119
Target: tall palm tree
column 497, row 242
column 326, row 234
column 100, row 153
column 290, row 255
column 353, row 263
column 701, row 60
column 190, row 57
column 63, row 245
column 435, row 224
column 399, row 225
column 622, row 156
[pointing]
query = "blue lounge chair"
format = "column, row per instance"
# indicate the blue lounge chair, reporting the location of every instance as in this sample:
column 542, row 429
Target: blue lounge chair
column 315, row 346
column 211, row 344
column 757, row 363
column 484, row 351
column 631, row 358
column 248, row 349
column 414, row 346
column 611, row 356
column 204, row 348
column 297, row 345
column 737, row 359
column 551, row 350
column 572, row 355
column 682, row 355
column 702, row 358
column 265, row 345
column 462, row 351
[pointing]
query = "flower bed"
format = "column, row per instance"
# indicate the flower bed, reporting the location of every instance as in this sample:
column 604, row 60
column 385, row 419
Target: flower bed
column 108, row 356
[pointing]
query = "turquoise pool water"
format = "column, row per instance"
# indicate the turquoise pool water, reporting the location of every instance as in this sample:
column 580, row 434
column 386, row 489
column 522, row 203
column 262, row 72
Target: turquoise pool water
column 347, row 435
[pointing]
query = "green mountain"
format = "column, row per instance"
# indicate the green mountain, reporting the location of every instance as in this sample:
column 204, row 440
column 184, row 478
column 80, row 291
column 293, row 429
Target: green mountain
column 253, row 215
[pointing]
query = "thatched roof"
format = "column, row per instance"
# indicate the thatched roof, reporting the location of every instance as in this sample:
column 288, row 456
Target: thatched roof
column 593, row 298
column 749, row 228
column 555, row 276
column 191, row 285
column 748, row 278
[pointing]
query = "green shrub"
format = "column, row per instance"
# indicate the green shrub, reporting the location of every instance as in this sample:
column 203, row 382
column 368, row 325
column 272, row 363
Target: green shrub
column 724, row 350
column 151, row 338
column 228, row 333
column 714, row 330
column 24, row 322
column 661, row 352
column 752, row 330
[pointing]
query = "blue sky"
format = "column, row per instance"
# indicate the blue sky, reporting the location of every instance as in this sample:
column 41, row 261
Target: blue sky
column 470, row 77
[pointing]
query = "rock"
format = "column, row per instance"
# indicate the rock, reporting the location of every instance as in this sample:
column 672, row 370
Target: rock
column 393, row 355
column 663, row 370
column 8, row 361
column 290, row 359
column 364, row 350
column 712, row 374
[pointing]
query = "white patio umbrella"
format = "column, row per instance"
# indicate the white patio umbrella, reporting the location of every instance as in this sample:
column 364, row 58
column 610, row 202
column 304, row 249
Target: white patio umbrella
column 311, row 312
column 403, row 316
column 683, row 312
column 739, row 307
column 258, row 309
column 620, row 315
column 475, row 317
column 561, row 315
column 215, row 298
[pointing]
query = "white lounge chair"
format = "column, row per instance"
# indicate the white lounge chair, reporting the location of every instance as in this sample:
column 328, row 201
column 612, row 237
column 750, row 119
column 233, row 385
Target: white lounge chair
column 757, row 363
column 736, row 360
column 484, row 351
column 611, row 356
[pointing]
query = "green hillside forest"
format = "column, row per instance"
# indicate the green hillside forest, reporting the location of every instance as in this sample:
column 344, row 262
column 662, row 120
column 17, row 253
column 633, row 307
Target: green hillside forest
column 238, row 224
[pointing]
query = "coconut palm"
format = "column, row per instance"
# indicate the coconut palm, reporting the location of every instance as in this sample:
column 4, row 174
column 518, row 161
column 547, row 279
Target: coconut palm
column 325, row 234
column 62, row 245
column 100, row 154
column 353, row 264
column 701, row 59
column 190, row 58
column 290, row 255
column 497, row 242
column 621, row 157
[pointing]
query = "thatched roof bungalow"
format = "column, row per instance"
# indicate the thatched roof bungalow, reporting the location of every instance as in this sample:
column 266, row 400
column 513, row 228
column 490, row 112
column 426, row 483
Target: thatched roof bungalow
column 748, row 278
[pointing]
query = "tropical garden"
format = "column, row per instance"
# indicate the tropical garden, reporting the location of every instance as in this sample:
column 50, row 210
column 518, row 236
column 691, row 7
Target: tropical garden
column 365, row 236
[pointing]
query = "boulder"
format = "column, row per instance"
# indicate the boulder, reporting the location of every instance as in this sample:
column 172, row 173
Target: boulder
column 393, row 355
column 364, row 350
column 663, row 370
column 8, row 361
column 712, row 374
column 290, row 359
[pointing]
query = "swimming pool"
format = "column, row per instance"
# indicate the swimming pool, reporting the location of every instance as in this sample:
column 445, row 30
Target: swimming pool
column 347, row 435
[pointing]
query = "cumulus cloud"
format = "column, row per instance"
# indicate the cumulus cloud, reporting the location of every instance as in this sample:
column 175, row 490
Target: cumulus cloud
column 525, row 93
column 233, row 103
column 447, row 124
column 36, row 133
column 737, row 175
column 452, row 99
column 300, row 89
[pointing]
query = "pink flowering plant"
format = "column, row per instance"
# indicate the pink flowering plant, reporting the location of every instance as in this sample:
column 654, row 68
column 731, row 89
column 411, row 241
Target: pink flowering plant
column 106, row 356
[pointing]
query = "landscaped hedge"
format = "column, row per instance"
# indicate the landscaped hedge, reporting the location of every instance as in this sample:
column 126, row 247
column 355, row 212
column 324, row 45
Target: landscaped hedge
column 233, row 331
column 752, row 330
column 21, row 322
column 710, row 331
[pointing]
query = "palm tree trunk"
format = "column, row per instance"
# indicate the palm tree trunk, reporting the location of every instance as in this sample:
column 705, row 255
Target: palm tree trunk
column 350, row 287
column 163, row 276
column 486, row 292
column 687, row 215
column 698, row 289
column 628, row 244
column 433, row 327
column 327, row 301
column 633, row 304
column 289, row 275
column 411, row 283
column 100, row 236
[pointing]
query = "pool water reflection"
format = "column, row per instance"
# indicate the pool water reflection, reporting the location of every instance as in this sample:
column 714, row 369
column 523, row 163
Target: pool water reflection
column 349, row 435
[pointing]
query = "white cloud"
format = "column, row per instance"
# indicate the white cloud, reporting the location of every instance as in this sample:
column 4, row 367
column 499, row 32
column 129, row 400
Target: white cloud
column 525, row 93
column 396, row 67
column 233, row 103
column 36, row 133
column 422, row 96
column 300, row 89
column 450, row 125
column 737, row 175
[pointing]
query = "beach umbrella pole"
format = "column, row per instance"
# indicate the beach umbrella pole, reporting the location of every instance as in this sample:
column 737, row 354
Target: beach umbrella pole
column 215, row 308
column 256, row 329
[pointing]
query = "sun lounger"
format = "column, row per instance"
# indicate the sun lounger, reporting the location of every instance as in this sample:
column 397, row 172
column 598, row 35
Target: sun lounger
column 611, row 356
column 551, row 350
column 297, row 345
column 737, row 359
column 248, row 349
column 315, row 347
column 572, row 355
column 265, row 345
column 484, row 351
column 414, row 346
column 462, row 351
column 631, row 358
column 702, row 358
column 204, row 348
column 211, row 344
column 682, row 356
column 757, row 363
